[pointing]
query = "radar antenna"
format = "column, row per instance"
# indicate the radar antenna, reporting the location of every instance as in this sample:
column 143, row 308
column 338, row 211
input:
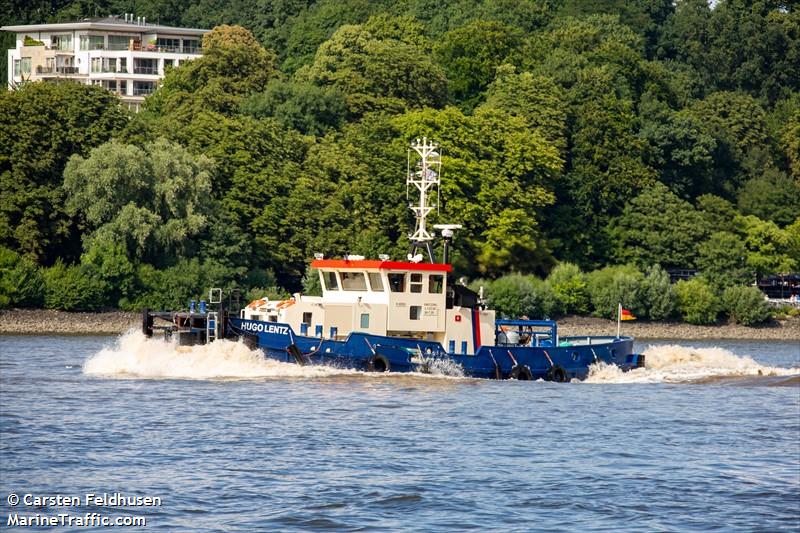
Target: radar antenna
column 424, row 174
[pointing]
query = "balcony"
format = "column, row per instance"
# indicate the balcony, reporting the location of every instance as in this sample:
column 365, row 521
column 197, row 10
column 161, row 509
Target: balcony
column 143, row 91
column 145, row 70
column 56, row 70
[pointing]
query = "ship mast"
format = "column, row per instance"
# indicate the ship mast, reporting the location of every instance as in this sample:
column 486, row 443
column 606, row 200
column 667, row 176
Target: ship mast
column 424, row 174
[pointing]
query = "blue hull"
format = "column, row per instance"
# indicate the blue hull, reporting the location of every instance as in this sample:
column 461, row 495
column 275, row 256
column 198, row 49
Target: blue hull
column 364, row 351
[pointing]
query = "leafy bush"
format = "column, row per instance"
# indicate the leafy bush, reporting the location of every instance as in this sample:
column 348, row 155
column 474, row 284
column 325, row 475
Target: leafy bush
column 74, row 288
column 517, row 295
column 614, row 285
column 658, row 294
column 21, row 282
column 569, row 288
column 697, row 302
column 745, row 305
column 311, row 283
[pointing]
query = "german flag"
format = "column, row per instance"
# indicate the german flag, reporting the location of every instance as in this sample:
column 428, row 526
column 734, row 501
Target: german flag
column 624, row 314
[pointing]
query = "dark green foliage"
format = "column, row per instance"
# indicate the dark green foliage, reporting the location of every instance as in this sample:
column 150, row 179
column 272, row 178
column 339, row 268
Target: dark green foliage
column 650, row 132
column 570, row 289
column 21, row 283
column 745, row 305
column 301, row 106
column 616, row 285
column 658, row 294
column 311, row 283
column 657, row 227
column 41, row 126
column 697, row 301
column 518, row 296
column 74, row 288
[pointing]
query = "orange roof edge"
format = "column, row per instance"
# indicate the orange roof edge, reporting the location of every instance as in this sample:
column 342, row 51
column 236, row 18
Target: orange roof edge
column 328, row 264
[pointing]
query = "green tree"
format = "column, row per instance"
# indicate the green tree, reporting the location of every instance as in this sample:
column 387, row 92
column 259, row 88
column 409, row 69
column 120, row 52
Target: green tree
column 771, row 196
column 569, row 288
column 745, row 305
column 470, row 54
column 20, row 281
column 517, row 296
column 722, row 260
column 657, row 227
column 769, row 248
column 697, row 302
column 151, row 201
column 614, row 285
column 41, row 125
column 301, row 106
column 376, row 73
column 658, row 294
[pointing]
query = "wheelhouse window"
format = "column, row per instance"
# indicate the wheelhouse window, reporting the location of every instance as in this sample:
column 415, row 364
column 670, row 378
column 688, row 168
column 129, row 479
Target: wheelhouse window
column 375, row 281
column 330, row 282
column 435, row 283
column 397, row 282
column 364, row 320
column 353, row 281
column 415, row 283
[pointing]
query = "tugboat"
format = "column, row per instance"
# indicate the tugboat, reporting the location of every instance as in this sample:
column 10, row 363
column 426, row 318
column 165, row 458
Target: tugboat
column 399, row 316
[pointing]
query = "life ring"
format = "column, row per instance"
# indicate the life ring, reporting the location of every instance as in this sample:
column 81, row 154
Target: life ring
column 557, row 374
column 378, row 363
column 521, row 373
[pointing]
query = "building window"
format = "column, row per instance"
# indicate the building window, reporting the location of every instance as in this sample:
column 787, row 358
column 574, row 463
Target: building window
column 416, row 283
column 17, row 68
column 145, row 66
column 26, row 66
column 414, row 312
column 96, row 64
column 123, row 64
column 364, row 320
column 375, row 281
column 143, row 88
column 168, row 63
column 353, row 281
column 191, row 46
column 61, row 42
column 330, row 282
column 435, row 283
column 123, row 86
column 397, row 282
column 119, row 42
column 109, row 64
column 168, row 45
column 91, row 42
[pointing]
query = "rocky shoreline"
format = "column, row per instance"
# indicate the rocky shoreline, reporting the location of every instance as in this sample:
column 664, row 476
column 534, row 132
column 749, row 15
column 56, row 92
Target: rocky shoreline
column 47, row 322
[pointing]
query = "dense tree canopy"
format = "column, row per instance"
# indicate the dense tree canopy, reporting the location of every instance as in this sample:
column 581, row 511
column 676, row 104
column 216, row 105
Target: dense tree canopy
column 650, row 133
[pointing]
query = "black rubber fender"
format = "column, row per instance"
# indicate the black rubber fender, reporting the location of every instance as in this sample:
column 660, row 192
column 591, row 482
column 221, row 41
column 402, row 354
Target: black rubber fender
column 557, row 374
column 521, row 373
column 378, row 363
column 147, row 323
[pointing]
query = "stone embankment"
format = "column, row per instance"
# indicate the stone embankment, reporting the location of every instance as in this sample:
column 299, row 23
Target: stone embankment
column 41, row 322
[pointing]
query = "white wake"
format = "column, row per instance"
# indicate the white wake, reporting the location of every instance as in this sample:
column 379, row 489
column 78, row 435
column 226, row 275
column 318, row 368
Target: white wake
column 682, row 364
column 135, row 355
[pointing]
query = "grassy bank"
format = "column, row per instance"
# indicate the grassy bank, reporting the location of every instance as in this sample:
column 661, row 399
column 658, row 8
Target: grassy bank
column 26, row 321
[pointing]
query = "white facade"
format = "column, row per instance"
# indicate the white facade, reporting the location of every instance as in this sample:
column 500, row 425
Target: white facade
column 125, row 55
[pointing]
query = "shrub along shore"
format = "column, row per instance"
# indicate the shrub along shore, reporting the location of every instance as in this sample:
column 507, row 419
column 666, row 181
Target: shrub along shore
column 34, row 321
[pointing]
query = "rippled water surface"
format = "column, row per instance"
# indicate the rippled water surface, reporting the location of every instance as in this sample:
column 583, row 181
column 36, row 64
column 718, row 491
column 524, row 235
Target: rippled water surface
column 706, row 438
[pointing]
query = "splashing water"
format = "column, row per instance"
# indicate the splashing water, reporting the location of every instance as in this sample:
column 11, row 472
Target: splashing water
column 135, row 355
column 682, row 364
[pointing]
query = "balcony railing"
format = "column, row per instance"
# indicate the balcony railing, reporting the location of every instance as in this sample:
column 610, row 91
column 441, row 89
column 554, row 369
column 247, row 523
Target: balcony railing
column 145, row 70
column 143, row 91
column 56, row 70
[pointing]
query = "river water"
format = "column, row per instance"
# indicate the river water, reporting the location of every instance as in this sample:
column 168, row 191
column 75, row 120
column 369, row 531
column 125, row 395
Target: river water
column 706, row 438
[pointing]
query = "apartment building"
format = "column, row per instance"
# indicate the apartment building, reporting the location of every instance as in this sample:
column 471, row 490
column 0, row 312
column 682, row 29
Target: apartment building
column 126, row 55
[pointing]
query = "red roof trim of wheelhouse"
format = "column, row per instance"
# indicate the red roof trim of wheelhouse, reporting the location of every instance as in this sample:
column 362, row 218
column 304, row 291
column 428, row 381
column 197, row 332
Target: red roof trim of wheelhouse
column 382, row 265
